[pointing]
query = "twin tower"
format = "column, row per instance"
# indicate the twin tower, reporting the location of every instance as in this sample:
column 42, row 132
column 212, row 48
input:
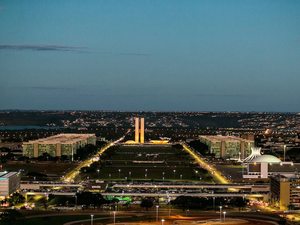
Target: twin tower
column 139, row 130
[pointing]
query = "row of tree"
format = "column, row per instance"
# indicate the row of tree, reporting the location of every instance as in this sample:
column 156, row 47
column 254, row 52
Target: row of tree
column 187, row 202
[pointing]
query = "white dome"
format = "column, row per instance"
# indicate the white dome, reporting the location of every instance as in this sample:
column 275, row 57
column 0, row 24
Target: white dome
column 266, row 158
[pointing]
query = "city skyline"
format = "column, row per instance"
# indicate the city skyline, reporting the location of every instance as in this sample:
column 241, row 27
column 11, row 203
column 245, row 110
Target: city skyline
column 150, row 55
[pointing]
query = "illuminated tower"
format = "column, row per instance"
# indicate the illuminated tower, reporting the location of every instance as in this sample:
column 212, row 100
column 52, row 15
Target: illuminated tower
column 137, row 129
column 142, row 130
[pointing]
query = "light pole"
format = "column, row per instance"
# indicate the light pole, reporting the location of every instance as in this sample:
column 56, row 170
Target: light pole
column 220, row 214
column 162, row 222
column 157, row 214
column 129, row 175
column 214, row 203
column 145, row 176
column 75, row 200
column 109, row 176
column 180, row 177
column 186, row 212
column 174, row 173
column 92, row 219
column 114, row 217
column 98, row 174
column 224, row 215
column 119, row 173
column 196, row 174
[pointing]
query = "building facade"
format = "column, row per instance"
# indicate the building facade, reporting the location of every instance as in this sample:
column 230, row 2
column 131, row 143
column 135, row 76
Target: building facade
column 285, row 192
column 227, row 146
column 58, row 145
column 9, row 183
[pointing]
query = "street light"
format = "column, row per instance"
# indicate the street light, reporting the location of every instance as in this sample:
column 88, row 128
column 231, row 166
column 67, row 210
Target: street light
column 114, row 217
column 196, row 174
column 180, row 177
column 76, row 200
column 145, row 176
column 174, row 173
column 98, row 173
column 162, row 222
column 224, row 215
column 119, row 173
column 220, row 214
column 92, row 219
column 129, row 175
column 109, row 176
column 157, row 214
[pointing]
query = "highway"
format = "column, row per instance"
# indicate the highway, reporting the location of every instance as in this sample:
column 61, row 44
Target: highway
column 215, row 173
column 197, row 186
column 228, row 194
column 70, row 177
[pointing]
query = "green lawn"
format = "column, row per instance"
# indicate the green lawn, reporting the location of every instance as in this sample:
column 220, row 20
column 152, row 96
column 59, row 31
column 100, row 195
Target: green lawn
column 125, row 156
column 60, row 220
column 57, row 220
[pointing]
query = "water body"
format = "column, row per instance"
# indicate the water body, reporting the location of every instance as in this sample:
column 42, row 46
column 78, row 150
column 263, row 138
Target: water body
column 33, row 127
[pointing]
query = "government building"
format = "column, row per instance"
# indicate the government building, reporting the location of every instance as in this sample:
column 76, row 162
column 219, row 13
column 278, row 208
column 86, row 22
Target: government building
column 285, row 192
column 58, row 145
column 227, row 146
column 9, row 183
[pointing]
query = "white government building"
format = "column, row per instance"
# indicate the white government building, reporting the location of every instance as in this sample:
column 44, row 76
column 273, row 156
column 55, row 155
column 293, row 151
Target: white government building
column 9, row 183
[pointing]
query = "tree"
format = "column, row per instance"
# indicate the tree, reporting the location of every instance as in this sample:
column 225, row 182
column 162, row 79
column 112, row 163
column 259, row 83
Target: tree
column 239, row 202
column 88, row 198
column 146, row 203
column 15, row 199
column 9, row 216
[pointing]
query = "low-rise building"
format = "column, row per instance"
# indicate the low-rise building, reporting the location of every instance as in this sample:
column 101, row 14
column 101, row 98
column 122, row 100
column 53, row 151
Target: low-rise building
column 265, row 166
column 9, row 183
column 285, row 192
column 227, row 146
column 58, row 145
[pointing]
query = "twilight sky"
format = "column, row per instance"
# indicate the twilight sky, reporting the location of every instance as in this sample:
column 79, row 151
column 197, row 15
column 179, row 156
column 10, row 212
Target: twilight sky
column 150, row 55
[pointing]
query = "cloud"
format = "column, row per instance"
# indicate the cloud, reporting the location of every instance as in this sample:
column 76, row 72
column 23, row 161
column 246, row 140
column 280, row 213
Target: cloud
column 131, row 53
column 43, row 47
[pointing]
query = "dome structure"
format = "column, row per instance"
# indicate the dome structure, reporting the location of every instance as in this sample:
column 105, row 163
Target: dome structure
column 266, row 158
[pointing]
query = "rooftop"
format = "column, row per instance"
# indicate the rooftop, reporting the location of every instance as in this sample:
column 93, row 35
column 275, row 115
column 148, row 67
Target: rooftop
column 62, row 138
column 5, row 175
column 218, row 138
